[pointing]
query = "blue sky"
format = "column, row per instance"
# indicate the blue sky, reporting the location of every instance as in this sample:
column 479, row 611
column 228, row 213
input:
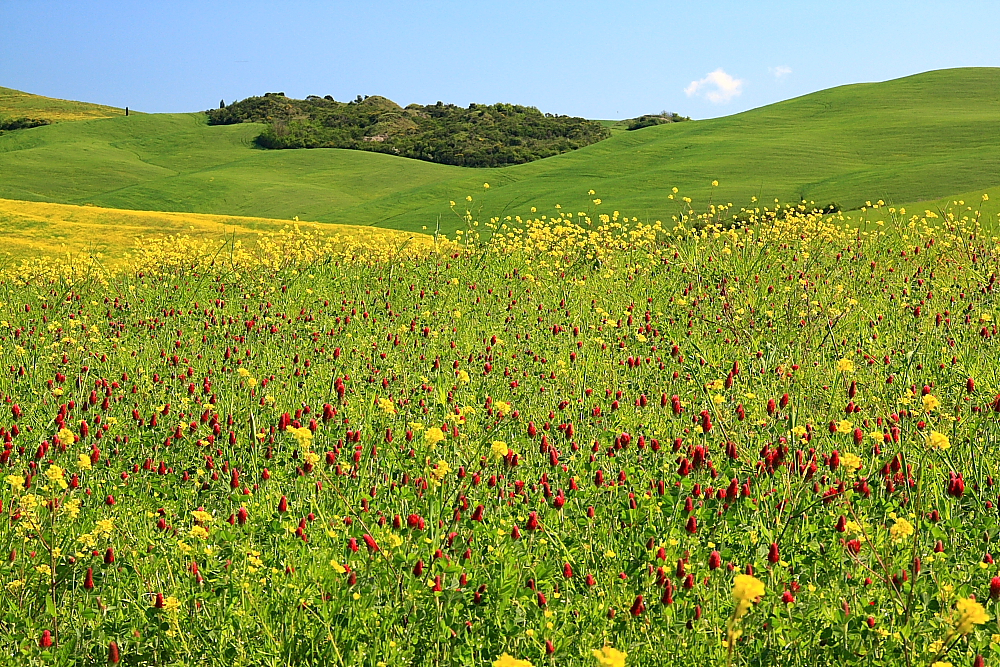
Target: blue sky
column 593, row 59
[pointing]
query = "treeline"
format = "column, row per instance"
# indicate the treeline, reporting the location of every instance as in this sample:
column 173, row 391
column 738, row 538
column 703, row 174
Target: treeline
column 478, row 136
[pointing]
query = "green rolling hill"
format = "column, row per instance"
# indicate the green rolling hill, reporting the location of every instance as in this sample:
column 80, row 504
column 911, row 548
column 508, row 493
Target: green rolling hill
column 920, row 138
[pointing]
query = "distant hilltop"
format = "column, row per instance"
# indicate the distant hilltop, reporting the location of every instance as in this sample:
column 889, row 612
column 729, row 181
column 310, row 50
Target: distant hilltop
column 478, row 136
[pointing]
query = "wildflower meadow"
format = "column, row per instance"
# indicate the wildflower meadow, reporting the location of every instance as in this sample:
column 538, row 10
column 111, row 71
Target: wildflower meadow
column 764, row 436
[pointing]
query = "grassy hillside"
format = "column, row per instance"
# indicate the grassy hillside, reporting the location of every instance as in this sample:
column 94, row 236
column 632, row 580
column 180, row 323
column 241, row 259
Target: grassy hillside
column 913, row 139
column 17, row 104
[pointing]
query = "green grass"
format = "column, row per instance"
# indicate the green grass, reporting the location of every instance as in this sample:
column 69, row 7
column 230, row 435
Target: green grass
column 918, row 138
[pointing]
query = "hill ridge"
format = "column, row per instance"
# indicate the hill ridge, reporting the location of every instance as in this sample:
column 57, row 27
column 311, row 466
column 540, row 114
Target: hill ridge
column 920, row 137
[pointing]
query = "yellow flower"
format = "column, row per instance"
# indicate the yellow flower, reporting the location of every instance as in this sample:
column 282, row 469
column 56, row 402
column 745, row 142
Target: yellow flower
column 433, row 436
column 942, row 663
column 506, row 660
column 746, row 589
column 199, row 532
column 938, row 440
column 303, row 436
column 171, row 604
column 66, row 436
column 850, row 461
column 931, row 403
column 463, row 377
column 845, row 365
column 387, row 406
column 105, row 527
column 337, row 567
column 43, row 570
column 971, row 614
column 439, row 471
column 83, row 462
column 715, row 184
column 57, row 476
column 312, row 458
column 844, row 426
column 72, row 507
column 201, row 517
column 901, row 530
column 16, row 482
column 499, row 449
column 610, row 657
column 486, row 186
column 501, row 408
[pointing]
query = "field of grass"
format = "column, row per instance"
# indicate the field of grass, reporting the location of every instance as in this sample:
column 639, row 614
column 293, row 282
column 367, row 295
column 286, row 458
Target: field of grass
column 919, row 138
column 37, row 229
column 17, row 104
column 773, row 445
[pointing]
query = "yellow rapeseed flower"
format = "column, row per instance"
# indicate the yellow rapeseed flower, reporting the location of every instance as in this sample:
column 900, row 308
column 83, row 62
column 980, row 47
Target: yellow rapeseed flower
column 201, row 517
column 746, row 589
column 387, row 406
column 199, row 532
column 931, row 402
column 66, row 436
column 610, row 657
column 440, row 470
column 303, row 436
column 971, row 614
column 901, row 530
column 83, row 462
column 845, row 365
column 499, row 449
column 938, row 441
column 433, row 436
column 850, row 461
column 57, row 476
column 507, row 660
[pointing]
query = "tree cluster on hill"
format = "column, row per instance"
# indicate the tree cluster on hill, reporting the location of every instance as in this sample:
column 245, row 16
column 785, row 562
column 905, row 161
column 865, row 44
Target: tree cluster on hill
column 650, row 120
column 478, row 136
column 10, row 124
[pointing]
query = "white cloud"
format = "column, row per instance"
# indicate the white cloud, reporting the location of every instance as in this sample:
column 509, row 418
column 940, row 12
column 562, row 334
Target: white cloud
column 718, row 87
column 780, row 72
